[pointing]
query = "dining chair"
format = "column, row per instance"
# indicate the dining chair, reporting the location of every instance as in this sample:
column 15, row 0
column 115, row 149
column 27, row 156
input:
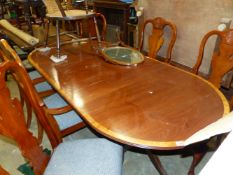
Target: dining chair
column 57, row 13
column 95, row 156
column 42, row 87
column 87, row 28
column 60, row 112
column 221, row 63
column 156, row 39
column 222, row 59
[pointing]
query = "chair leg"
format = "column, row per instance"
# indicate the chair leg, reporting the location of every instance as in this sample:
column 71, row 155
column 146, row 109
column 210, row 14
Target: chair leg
column 157, row 163
column 46, row 36
column 97, row 30
column 197, row 157
column 97, row 33
column 27, row 16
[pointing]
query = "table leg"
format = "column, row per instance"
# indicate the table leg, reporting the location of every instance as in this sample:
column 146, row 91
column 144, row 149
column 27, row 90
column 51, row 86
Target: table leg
column 27, row 14
column 197, row 157
column 157, row 163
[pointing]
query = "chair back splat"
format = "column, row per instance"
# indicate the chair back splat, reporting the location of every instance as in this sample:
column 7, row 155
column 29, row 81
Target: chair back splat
column 156, row 39
column 12, row 120
column 222, row 59
column 26, row 86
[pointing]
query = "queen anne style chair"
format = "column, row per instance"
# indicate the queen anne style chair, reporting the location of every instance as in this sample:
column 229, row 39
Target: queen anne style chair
column 222, row 59
column 42, row 87
column 86, row 156
column 58, row 111
column 156, row 39
column 57, row 13
column 221, row 63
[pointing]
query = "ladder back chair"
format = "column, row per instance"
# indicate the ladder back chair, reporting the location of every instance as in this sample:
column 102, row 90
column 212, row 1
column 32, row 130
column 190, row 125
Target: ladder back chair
column 57, row 13
column 156, row 39
column 86, row 156
column 60, row 112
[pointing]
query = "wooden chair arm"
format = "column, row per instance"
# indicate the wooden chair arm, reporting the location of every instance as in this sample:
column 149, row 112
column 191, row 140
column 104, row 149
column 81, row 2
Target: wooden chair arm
column 43, row 93
column 38, row 80
column 57, row 111
column 3, row 171
column 46, row 93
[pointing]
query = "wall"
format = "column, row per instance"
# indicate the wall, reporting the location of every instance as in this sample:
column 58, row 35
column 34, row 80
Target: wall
column 193, row 19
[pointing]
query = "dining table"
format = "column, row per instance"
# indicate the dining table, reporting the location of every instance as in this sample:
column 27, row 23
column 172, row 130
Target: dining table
column 150, row 105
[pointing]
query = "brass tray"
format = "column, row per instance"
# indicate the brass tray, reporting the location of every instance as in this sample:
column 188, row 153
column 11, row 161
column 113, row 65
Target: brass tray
column 122, row 55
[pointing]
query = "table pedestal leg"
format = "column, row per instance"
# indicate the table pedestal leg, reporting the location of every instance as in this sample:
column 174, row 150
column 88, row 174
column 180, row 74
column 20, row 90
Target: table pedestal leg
column 197, row 157
column 157, row 163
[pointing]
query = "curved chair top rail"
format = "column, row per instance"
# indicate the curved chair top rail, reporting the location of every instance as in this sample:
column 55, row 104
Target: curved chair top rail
column 222, row 59
column 156, row 39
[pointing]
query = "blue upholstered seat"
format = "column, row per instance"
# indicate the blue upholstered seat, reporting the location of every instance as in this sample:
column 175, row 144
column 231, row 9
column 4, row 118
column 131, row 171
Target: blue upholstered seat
column 86, row 157
column 64, row 120
column 40, row 86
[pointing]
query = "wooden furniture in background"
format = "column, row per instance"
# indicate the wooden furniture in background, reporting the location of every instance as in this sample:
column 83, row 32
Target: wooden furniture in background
column 28, row 13
column 132, row 34
column 156, row 39
column 56, row 12
column 131, row 104
column 2, row 8
column 87, row 27
column 99, row 155
column 116, row 13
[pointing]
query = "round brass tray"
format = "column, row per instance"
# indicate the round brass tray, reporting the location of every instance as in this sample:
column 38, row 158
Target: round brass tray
column 122, row 55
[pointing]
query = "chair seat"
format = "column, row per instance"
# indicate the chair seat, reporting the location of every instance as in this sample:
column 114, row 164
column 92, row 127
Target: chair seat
column 70, row 14
column 44, row 86
column 86, row 157
column 64, row 120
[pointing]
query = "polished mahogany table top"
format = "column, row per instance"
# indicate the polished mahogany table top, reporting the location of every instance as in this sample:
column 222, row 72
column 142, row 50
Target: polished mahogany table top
column 152, row 105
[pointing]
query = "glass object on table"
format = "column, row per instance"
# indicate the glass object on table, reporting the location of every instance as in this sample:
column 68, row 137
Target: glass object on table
column 122, row 55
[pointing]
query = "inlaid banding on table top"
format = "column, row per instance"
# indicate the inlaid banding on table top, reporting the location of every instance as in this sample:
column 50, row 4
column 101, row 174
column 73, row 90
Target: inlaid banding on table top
column 153, row 105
